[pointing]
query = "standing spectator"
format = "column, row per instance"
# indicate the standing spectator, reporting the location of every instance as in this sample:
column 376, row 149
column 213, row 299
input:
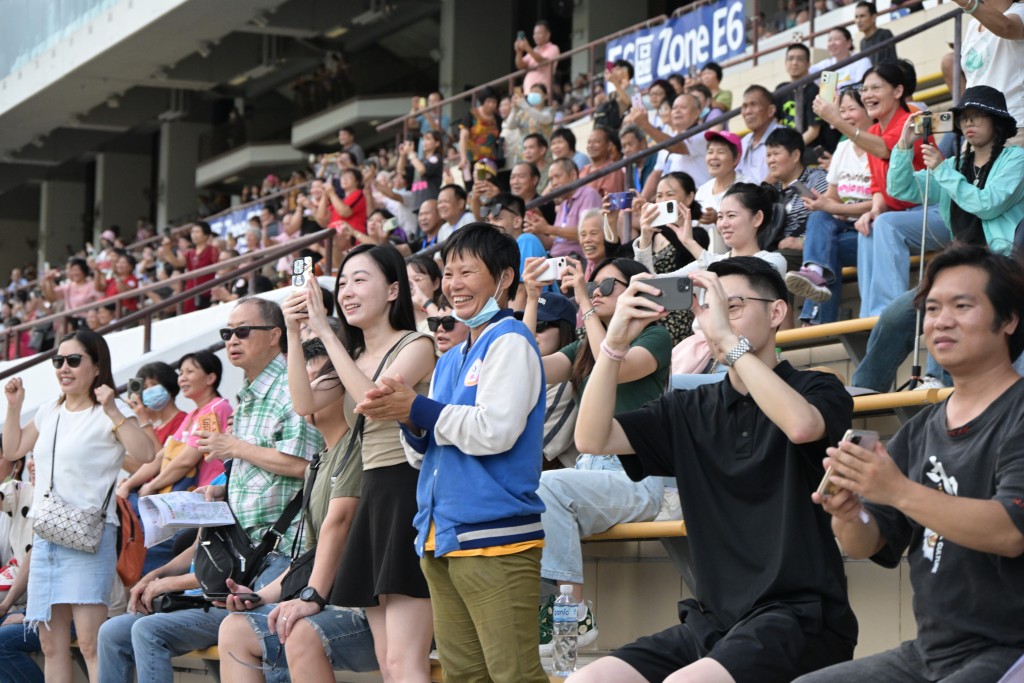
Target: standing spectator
column 531, row 115
column 390, row 192
column 451, row 206
column 711, row 77
column 17, row 281
column 620, row 77
column 203, row 254
column 758, row 112
column 529, row 57
column 428, row 167
column 601, row 150
column 429, row 119
column 81, row 439
column 866, row 14
column 535, row 151
column 814, row 132
column 479, row 132
column 786, row 167
column 564, row 232
column 122, row 279
column 347, row 141
column 424, row 288
column 840, row 48
column 633, row 141
column 268, row 221
column 723, row 156
column 563, row 146
column 76, row 292
column 658, row 102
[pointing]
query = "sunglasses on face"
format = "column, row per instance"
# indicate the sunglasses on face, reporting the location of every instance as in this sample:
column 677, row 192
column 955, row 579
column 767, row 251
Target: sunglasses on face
column 74, row 360
column 447, row 322
column 242, row 331
column 605, row 286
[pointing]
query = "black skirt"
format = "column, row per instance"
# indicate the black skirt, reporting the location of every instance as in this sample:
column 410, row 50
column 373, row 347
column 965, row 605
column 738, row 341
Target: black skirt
column 380, row 556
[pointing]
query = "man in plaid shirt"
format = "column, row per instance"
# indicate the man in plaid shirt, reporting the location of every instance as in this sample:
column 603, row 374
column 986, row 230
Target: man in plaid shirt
column 269, row 449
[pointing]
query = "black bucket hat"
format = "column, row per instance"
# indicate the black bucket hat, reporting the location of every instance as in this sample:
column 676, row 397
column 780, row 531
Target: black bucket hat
column 986, row 99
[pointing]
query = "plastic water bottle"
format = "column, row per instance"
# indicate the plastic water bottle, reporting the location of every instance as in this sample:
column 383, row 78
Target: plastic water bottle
column 566, row 628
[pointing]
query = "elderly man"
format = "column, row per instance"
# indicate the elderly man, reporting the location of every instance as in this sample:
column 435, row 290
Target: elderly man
column 564, row 232
column 758, row 112
column 602, row 148
column 686, row 156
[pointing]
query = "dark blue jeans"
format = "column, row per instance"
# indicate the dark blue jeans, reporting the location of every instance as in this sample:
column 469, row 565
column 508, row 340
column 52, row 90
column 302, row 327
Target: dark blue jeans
column 16, row 647
column 831, row 243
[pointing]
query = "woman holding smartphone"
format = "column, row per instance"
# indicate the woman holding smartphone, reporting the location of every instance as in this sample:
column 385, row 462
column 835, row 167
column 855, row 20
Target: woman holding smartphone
column 597, row 493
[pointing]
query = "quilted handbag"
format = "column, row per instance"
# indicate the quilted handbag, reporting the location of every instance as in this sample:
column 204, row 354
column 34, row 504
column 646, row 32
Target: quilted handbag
column 60, row 522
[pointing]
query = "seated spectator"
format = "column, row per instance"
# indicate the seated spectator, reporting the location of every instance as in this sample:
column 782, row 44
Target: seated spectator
column 658, row 103
column 601, row 145
column 425, row 288
column 201, row 255
column 479, row 132
column 814, row 131
column 528, row 57
column 945, row 492
column 840, row 48
column 747, row 618
column 596, row 494
column 746, row 210
column 866, row 16
column 686, row 156
column 535, row 151
column 565, row 229
column 563, row 146
column 596, row 248
column 429, row 222
column 758, row 112
column 252, row 241
column 507, row 212
column 16, row 494
column 786, row 167
column 711, row 78
column 391, row 195
column 451, row 206
column 239, row 287
column 722, row 159
column 831, row 239
column 17, row 281
column 634, row 140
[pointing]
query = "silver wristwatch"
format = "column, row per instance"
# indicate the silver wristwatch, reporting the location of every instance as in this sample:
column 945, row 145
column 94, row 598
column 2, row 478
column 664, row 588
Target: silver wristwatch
column 742, row 347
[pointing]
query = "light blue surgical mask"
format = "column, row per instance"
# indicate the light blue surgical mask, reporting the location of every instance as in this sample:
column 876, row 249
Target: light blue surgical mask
column 534, row 99
column 155, row 397
column 489, row 310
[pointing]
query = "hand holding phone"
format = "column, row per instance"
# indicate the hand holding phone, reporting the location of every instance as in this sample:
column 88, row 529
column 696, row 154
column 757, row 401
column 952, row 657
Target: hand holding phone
column 860, row 437
column 554, row 270
column 676, row 292
column 302, row 271
column 668, row 212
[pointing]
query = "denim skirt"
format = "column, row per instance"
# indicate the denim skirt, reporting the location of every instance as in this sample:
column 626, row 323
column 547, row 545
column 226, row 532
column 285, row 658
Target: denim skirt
column 59, row 575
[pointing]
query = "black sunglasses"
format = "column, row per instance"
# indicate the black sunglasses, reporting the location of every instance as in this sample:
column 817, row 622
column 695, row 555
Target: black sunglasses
column 493, row 210
column 74, row 360
column 242, row 331
column 605, row 286
column 447, row 322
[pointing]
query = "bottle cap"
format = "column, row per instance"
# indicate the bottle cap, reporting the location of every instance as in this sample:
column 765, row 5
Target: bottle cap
column 565, row 589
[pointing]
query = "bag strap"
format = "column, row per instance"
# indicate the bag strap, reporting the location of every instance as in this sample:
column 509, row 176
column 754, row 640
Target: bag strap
column 314, row 468
column 53, row 453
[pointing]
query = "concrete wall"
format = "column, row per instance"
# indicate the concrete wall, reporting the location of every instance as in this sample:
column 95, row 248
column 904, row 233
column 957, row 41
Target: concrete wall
column 122, row 191
column 62, row 216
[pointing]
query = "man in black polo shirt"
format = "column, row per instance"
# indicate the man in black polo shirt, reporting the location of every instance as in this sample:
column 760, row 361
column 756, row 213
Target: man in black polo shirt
column 771, row 599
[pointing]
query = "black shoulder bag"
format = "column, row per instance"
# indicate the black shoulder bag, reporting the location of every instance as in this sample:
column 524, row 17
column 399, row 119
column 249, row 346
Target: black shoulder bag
column 301, row 567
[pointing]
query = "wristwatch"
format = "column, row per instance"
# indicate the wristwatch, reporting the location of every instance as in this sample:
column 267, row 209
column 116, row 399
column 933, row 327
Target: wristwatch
column 309, row 594
column 741, row 348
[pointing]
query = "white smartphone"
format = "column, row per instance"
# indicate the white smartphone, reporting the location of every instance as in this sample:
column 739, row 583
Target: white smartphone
column 555, row 268
column 829, row 81
column 668, row 212
column 302, row 271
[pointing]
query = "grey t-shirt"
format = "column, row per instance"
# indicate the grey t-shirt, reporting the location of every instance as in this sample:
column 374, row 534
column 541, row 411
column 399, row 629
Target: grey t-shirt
column 886, row 54
column 965, row 601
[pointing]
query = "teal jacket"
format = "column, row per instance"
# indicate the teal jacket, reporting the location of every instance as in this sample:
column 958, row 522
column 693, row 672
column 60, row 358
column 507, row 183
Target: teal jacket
column 1000, row 205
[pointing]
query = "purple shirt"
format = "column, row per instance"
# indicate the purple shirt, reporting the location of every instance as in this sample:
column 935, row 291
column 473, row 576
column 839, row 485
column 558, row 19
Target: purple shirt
column 569, row 212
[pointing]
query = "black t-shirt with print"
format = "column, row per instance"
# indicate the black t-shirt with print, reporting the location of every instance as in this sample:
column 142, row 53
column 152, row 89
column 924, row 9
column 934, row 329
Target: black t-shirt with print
column 965, row 601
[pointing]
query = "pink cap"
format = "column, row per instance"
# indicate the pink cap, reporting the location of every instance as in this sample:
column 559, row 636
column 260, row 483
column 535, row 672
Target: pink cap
column 109, row 235
column 726, row 136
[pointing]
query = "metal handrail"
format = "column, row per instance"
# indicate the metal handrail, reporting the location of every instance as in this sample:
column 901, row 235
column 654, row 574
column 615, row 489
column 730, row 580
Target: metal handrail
column 146, row 315
column 510, row 78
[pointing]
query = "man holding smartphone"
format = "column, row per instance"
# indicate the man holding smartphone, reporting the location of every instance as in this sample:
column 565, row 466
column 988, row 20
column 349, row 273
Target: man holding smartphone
column 949, row 486
column 770, row 600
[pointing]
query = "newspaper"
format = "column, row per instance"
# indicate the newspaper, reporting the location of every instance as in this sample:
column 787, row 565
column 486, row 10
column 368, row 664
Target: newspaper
column 164, row 515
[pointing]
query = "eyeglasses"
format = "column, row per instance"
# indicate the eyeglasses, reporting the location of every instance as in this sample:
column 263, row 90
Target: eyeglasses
column 494, row 209
column 447, row 322
column 736, row 304
column 242, row 331
column 605, row 286
column 74, row 360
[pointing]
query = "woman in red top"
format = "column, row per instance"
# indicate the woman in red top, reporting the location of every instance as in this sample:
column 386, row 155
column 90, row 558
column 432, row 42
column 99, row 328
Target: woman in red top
column 201, row 255
column 337, row 212
column 122, row 279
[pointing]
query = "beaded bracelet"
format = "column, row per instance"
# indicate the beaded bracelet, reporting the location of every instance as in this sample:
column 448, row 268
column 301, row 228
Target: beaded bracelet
column 616, row 356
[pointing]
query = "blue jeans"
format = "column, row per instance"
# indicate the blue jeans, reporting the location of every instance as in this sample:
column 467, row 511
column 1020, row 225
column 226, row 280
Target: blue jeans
column 17, row 643
column 831, row 243
column 883, row 258
column 147, row 643
column 588, row 500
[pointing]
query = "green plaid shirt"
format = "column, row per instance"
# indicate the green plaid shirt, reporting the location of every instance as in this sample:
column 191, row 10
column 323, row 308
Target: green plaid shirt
column 265, row 418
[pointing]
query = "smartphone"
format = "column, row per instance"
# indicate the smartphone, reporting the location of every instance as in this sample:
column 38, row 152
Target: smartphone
column 135, row 386
column 220, row 597
column 829, row 81
column 302, row 271
column 637, row 101
column 521, row 35
column 668, row 212
column 482, row 174
column 802, row 189
column 423, row 103
column 619, row 201
column 608, row 66
column 926, row 124
column 818, row 151
column 555, row 268
column 865, row 438
column 676, row 292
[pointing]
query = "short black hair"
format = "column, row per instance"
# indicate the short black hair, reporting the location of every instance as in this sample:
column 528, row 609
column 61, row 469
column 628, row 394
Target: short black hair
column 541, row 140
column 568, row 165
column 786, row 138
column 801, row 47
column 460, row 193
column 567, row 135
column 205, row 227
column 1005, row 283
column 625, row 64
column 702, row 89
column 488, row 93
column 716, row 68
column 844, row 31
column 762, row 276
column 872, row 10
column 895, row 75
column 544, row 23
column 497, row 249
column 161, row 373
column 270, row 314
column 765, row 93
column 610, row 136
column 532, row 168
column 348, row 129
column 208, row 362
column 511, row 201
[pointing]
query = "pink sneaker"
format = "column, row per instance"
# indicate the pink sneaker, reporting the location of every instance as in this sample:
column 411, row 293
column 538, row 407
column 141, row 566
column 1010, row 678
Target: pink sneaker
column 808, row 284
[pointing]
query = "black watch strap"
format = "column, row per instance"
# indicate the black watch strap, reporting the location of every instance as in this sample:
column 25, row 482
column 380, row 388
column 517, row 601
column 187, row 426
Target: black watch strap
column 310, row 594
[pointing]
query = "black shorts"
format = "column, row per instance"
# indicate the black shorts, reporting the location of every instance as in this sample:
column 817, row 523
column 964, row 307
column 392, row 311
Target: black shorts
column 773, row 644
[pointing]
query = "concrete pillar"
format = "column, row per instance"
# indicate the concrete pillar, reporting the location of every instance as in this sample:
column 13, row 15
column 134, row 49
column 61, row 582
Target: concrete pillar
column 19, row 228
column 176, row 188
column 470, row 53
column 593, row 19
column 122, row 191
column 64, row 226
